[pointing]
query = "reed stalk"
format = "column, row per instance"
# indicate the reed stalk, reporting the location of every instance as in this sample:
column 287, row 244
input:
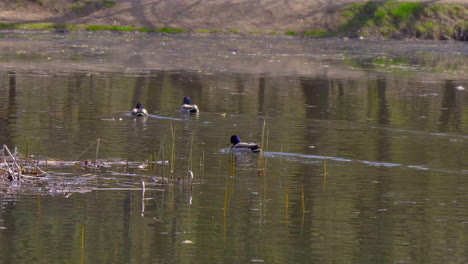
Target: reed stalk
column 97, row 151
column 143, row 198
column 39, row 209
column 45, row 155
column 190, row 179
column 226, row 194
column 303, row 208
column 82, row 243
column 27, row 150
column 172, row 151
column 84, row 151
column 190, row 160
column 154, row 163
column 150, row 161
column 11, row 169
column 202, row 168
column 324, row 174
column 161, row 149
column 303, row 199
column 261, row 157
column 287, row 203
column 264, row 146
column 38, row 152
column 232, row 163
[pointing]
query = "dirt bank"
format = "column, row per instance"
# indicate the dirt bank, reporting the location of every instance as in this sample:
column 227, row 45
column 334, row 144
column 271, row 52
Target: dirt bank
column 242, row 15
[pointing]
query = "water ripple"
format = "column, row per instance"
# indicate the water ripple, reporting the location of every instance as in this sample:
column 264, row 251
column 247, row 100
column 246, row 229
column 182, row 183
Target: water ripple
column 370, row 163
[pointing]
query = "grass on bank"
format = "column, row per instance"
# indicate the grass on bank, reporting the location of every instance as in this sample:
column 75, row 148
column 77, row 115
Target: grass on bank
column 387, row 19
column 392, row 19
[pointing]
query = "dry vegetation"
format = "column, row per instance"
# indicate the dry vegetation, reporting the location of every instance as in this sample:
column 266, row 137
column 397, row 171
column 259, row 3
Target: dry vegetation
column 355, row 18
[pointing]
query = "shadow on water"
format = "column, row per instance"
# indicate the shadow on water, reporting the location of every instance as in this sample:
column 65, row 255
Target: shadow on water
column 451, row 111
column 9, row 110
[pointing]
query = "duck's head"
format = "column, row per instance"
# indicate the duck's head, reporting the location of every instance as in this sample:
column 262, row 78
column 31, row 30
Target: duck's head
column 139, row 106
column 186, row 100
column 235, row 140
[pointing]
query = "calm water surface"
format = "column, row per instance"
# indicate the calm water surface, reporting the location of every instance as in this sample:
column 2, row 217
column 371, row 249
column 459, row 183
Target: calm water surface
column 364, row 150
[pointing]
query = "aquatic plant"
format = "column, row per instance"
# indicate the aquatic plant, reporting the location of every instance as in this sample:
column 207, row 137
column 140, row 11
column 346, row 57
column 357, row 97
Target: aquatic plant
column 262, row 158
column 14, row 167
column 172, row 150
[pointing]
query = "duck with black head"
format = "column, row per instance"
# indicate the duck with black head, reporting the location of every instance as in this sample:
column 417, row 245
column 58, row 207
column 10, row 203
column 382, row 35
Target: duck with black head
column 139, row 110
column 242, row 147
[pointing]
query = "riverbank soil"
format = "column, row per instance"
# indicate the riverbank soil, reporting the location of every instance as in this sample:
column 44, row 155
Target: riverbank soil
column 241, row 15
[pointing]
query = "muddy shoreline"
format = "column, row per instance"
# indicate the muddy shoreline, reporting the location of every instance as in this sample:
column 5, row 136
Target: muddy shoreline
column 241, row 15
column 143, row 53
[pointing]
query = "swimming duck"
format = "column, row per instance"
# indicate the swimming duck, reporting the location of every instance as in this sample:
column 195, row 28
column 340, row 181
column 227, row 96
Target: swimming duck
column 238, row 146
column 187, row 107
column 139, row 110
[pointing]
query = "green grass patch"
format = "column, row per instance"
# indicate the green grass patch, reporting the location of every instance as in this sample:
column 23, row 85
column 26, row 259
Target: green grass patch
column 65, row 27
column 405, row 10
column 145, row 29
column 204, row 31
column 106, row 27
column 76, row 7
column 290, row 33
column 393, row 19
column 109, row 3
column 316, row 33
column 170, row 30
column 7, row 26
column 37, row 26
column 233, row 31
column 255, row 31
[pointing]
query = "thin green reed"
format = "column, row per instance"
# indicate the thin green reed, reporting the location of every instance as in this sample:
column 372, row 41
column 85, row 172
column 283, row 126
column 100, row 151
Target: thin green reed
column 190, row 159
column 161, row 152
column 173, row 133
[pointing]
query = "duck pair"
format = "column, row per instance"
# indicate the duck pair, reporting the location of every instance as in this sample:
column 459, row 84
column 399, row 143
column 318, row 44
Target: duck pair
column 236, row 145
column 186, row 107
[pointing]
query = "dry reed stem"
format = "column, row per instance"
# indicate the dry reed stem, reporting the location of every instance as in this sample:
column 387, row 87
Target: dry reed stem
column 97, row 150
column 82, row 243
column 303, row 199
column 287, row 202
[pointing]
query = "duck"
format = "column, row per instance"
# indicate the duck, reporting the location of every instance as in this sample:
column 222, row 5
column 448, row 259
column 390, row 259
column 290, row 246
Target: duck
column 187, row 107
column 139, row 110
column 239, row 147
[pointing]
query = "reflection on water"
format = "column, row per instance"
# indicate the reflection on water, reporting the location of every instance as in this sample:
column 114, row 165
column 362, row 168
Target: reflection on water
column 355, row 168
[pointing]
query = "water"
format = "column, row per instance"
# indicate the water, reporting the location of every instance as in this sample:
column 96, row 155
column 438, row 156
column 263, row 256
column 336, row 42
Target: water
column 364, row 143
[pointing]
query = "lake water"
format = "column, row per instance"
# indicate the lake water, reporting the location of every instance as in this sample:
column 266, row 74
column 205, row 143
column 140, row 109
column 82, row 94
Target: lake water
column 364, row 150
